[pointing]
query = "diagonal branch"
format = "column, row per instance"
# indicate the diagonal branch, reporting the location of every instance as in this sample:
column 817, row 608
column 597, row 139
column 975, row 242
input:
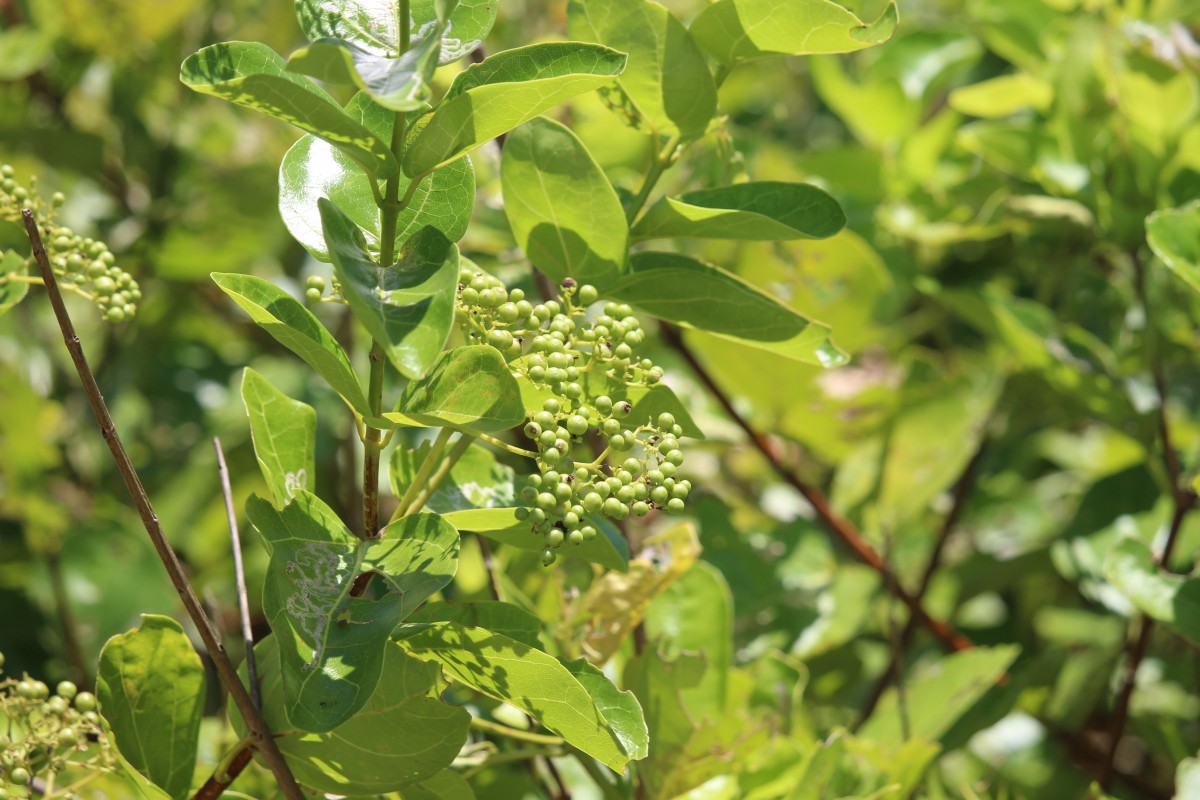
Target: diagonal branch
column 239, row 574
column 838, row 525
column 259, row 730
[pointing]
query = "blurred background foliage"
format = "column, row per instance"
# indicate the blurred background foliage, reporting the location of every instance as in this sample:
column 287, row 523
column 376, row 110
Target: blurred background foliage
column 997, row 160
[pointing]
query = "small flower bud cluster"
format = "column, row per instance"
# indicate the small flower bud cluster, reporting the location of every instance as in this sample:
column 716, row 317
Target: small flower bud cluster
column 82, row 265
column 562, row 350
column 47, row 733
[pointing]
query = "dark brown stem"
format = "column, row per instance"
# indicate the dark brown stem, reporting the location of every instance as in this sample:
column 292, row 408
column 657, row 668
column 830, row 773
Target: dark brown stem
column 259, row 730
column 962, row 491
column 1184, row 500
column 239, row 575
column 838, row 525
column 214, row 787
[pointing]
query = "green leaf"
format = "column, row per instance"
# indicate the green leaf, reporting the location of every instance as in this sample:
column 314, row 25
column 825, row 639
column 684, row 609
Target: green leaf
column 284, row 432
column 1173, row 599
column 313, row 169
column 1002, row 96
column 733, row 31
column 398, row 84
column 766, row 210
column 446, row 785
column 620, row 708
column 693, row 294
column 505, row 619
column 403, row 734
column 522, row 676
column 668, row 88
column 408, row 307
column 295, row 327
column 12, row 292
column 1174, row 236
column 609, row 549
column 476, row 480
column 469, row 388
column 563, row 211
column 253, row 75
column 150, row 684
column 504, row 91
column 372, row 26
column 331, row 644
column 938, row 695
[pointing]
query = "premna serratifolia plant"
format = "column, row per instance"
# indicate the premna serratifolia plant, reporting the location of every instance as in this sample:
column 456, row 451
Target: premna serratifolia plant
column 369, row 683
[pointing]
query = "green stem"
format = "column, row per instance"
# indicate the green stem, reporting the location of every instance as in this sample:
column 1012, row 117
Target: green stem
column 372, row 444
column 456, row 452
column 516, row 451
column 418, row 480
column 515, row 733
column 402, row 17
column 523, row 754
column 662, row 160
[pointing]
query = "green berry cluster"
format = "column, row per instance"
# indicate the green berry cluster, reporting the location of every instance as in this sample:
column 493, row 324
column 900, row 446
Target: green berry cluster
column 47, row 733
column 564, row 349
column 314, row 291
column 82, row 265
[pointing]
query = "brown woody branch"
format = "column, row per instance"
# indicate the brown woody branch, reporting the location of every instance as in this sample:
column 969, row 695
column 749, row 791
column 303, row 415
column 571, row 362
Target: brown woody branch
column 259, row 730
column 838, row 525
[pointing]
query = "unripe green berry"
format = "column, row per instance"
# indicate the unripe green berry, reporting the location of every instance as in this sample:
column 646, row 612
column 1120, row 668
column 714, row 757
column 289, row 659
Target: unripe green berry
column 522, row 513
column 554, row 537
column 665, row 420
column 67, row 738
column 625, row 494
column 622, row 409
column 56, row 705
column 115, row 314
column 563, row 492
column 548, row 557
column 667, row 469
column 507, row 312
column 312, row 295
column 632, row 466
column 611, row 427
column 617, row 443
column 659, row 495
column 640, row 509
column 532, row 430
column 19, row 776
column 537, row 374
column 501, row 340
column 552, row 457
column 544, row 419
column 675, row 457
column 675, row 505
column 85, row 702
column 315, row 282
column 588, row 294
column 105, row 286
column 681, row 490
column 588, row 532
column 613, row 506
column 577, row 425
column 592, row 501
column 547, row 501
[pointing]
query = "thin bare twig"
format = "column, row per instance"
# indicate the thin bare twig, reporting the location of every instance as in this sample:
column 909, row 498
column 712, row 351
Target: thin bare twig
column 489, row 566
column 841, row 528
column 259, row 729
column 239, row 575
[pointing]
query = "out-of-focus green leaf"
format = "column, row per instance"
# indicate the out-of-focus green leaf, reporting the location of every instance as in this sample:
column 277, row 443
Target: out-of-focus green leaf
column 1002, row 96
column 740, row 30
column 1173, row 599
column 150, row 684
column 255, row 76
column 766, row 210
column 693, row 294
column 667, row 88
column 284, row 432
column 522, row 676
column 12, row 292
column 563, row 211
column 295, row 327
column 938, row 695
column 1174, row 236
column 504, row 91
column 331, row 645
column 408, row 307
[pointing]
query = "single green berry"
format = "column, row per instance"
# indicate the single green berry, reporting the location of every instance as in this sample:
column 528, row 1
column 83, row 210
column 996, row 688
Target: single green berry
column 546, row 501
column 617, row 443
column 532, row 430
column 622, row 409
column 577, row 425
column 659, row 495
column 19, row 776
column 85, row 702
column 575, row 537
column 667, row 469
column 67, row 738
column 592, row 501
column 507, row 312
column 665, row 420
column 57, row 705
column 25, row 690
column 588, row 532
column 675, row 505
column 588, row 294
column 640, row 509
column 674, row 457
column 544, row 419
column 501, row 340
column 554, row 537
column 611, row 427
column 613, row 506
column 632, row 466
column 522, row 514
column 563, row 492
column 548, row 557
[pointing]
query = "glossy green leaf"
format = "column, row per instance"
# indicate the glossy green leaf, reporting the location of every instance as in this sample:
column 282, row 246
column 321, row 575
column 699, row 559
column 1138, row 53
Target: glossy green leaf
column 12, row 292
column 469, row 388
column 505, row 619
column 608, row 548
column 253, row 75
column 667, row 88
column 331, row 644
column 403, row 734
column 295, row 327
column 938, row 695
column 766, row 210
column 620, row 708
column 398, row 84
column 408, row 307
column 693, row 294
column 1002, row 96
column 521, row 676
column 1173, row 599
column 313, row 169
column 1174, row 236
column 504, row 91
column 150, row 684
column 733, row 31
column 372, row 25
column 284, row 433
column 563, row 211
